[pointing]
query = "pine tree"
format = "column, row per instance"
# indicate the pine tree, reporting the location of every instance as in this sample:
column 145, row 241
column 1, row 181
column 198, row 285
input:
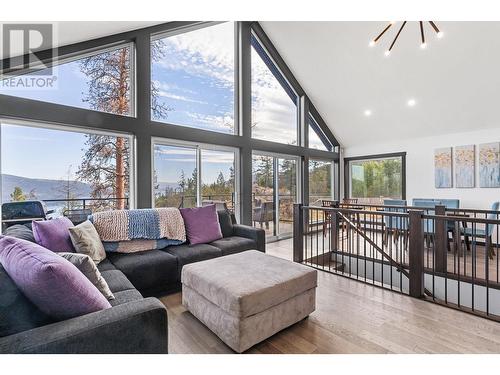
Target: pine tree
column 264, row 172
column 221, row 181
column 106, row 160
column 17, row 195
column 67, row 187
column 182, row 181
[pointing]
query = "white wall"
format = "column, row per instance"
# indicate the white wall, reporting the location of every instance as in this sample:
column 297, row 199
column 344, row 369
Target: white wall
column 420, row 165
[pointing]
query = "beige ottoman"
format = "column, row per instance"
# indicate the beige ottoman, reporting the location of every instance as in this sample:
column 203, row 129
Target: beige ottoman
column 247, row 297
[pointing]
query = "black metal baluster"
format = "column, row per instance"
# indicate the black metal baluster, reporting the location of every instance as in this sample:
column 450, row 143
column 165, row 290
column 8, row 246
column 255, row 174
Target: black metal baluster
column 473, row 273
column 487, row 272
column 458, row 246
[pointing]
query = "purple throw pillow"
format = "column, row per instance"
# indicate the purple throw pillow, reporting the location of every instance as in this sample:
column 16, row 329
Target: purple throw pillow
column 202, row 224
column 54, row 234
column 49, row 281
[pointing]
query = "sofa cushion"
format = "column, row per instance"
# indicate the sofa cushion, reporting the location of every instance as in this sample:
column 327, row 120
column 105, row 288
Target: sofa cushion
column 20, row 231
column 117, row 281
column 234, row 244
column 105, row 265
column 86, row 265
column 126, row 296
column 226, row 223
column 17, row 313
column 54, row 234
column 52, row 283
column 202, row 224
column 146, row 269
column 186, row 254
column 86, row 240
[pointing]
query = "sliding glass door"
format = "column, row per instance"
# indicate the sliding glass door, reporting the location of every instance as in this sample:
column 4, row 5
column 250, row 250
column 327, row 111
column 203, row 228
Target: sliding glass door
column 190, row 175
column 274, row 191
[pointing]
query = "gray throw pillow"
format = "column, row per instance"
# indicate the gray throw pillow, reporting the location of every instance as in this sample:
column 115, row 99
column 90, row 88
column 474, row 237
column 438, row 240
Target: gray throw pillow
column 20, row 231
column 86, row 240
column 87, row 266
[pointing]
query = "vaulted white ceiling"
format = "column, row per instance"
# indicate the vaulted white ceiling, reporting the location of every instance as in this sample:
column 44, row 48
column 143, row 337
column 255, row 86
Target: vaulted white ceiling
column 455, row 81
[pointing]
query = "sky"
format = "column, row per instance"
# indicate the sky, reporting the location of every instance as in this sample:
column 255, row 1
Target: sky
column 195, row 79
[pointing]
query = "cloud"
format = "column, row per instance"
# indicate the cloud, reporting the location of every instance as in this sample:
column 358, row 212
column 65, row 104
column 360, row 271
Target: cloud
column 183, row 98
column 274, row 115
column 221, row 123
column 208, row 53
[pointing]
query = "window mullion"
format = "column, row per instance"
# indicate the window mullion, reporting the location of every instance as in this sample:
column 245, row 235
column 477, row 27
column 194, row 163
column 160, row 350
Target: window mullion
column 198, row 177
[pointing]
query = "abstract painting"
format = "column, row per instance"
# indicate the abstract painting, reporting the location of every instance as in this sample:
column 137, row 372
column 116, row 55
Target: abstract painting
column 443, row 168
column 489, row 165
column 465, row 161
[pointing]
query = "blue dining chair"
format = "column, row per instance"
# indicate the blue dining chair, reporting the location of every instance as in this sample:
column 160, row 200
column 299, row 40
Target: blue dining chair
column 485, row 233
column 429, row 209
column 394, row 225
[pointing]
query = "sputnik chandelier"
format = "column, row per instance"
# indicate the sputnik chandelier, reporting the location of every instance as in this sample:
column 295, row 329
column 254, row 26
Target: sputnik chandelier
column 423, row 43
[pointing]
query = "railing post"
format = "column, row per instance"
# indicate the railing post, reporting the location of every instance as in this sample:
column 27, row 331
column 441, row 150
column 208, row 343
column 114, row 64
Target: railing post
column 416, row 254
column 334, row 225
column 298, row 233
column 441, row 243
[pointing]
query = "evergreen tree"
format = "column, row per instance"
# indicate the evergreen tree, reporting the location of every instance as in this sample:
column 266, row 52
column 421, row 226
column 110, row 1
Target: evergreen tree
column 221, row 181
column 182, row 181
column 106, row 160
column 17, row 195
column 68, row 188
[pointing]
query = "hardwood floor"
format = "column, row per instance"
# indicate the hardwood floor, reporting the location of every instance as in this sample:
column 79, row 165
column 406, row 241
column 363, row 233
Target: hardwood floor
column 350, row 317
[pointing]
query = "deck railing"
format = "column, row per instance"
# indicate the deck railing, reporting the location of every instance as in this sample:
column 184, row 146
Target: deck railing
column 84, row 203
column 432, row 253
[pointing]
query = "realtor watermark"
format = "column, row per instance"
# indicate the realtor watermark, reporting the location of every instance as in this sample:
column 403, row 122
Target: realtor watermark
column 28, row 57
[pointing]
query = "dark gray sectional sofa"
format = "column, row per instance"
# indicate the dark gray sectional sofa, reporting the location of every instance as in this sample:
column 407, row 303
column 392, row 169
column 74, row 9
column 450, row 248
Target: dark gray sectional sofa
column 134, row 324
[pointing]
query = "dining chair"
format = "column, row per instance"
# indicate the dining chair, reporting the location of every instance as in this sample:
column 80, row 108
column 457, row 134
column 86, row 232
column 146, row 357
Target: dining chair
column 486, row 233
column 327, row 215
column 394, row 226
column 429, row 207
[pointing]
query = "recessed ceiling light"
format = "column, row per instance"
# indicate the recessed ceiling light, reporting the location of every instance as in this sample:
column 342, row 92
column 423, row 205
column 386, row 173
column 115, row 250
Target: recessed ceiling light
column 368, row 113
column 411, row 102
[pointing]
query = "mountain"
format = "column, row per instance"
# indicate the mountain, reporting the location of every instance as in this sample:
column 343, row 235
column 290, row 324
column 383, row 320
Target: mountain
column 42, row 188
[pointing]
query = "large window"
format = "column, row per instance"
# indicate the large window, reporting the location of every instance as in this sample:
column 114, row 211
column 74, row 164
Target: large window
column 193, row 78
column 371, row 179
column 65, row 169
column 99, row 81
column 317, row 139
column 320, row 181
column 202, row 76
column 274, row 103
column 188, row 175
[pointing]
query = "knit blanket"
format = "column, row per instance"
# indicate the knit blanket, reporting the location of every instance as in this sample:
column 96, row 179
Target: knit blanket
column 154, row 225
column 134, row 246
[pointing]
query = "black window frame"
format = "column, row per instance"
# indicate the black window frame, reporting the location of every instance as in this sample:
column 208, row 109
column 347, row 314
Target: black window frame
column 347, row 169
column 144, row 129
